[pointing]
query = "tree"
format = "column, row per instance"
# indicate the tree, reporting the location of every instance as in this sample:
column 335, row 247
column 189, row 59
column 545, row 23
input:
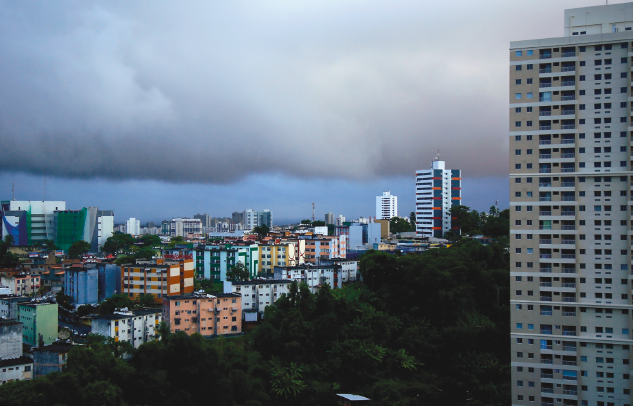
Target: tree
column 63, row 300
column 150, row 240
column 261, row 231
column 174, row 241
column 114, row 302
column 78, row 248
column 412, row 219
column 49, row 244
column 306, row 222
column 318, row 223
column 8, row 259
column 399, row 225
column 238, row 273
column 125, row 259
column 118, row 242
column 145, row 253
column 84, row 310
column 146, row 300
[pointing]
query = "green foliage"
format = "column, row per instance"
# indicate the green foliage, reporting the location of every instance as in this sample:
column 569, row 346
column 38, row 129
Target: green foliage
column 49, row 245
column 85, row 310
column 150, row 241
column 114, row 302
column 119, row 242
column 261, row 231
column 63, row 300
column 306, row 221
column 493, row 224
column 286, row 380
column 78, row 248
column 209, row 286
column 238, row 273
column 318, row 223
column 412, row 220
column 146, row 300
column 125, row 259
column 175, row 241
column 399, row 225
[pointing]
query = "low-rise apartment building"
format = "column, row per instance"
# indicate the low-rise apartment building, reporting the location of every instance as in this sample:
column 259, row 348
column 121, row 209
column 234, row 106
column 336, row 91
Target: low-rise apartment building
column 13, row 366
column 158, row 278
column 208, row 315
column 258, row 294
column 313, row 276
column 82, row 285
column 20, row 283
column 38, row 319
column 136, row 326
column 9, row 306
column 51, row 358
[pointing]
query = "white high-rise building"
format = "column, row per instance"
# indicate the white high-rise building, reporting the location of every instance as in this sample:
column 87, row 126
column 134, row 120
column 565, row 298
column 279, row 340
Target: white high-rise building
column 386, row 206
column 133, row 226
column 251, row 219
column 570, row 212
column 329, row 218
column 436, row 191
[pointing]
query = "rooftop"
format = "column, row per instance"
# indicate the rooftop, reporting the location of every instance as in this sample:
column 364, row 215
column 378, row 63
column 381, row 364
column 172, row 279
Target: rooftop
column 56, row 347
column 15, row 361
column 261, row 282
column 8, row 322
column 351, row 397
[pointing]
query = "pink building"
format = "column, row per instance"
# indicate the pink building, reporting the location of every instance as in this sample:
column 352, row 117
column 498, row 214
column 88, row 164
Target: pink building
column 204, row 314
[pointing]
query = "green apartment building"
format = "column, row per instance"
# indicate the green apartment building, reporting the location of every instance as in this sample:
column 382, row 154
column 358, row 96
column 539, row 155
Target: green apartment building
column 38, row 318
column 213, row 261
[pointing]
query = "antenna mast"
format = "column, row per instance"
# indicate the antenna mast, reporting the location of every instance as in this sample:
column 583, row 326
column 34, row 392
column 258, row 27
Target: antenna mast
column 13, row 190
column 313, row 212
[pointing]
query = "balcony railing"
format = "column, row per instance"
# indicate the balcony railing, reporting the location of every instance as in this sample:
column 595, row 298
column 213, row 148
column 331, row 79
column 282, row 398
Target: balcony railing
column 569, row 333
column 545, row 127
column 545, row 142
column 568, row 155
column 569, row 378
column 544, row 227
column 569, row 270
column 568, row 184
column 547, row 361
column 568, row 69
column 569, row 314
column 568, row 54
column 545, row 170
column 567, row 391
column 544, row 185
column 545, row 70
column 568, row 347
column 546, row 270
column 548, row 332
column 568, row 242
column 546, row 299
column 567, row 170
column 546, row 313
column 545, row 199
column 547, row 390
column 545, row 99
column 569, row 300
column 568, row 284
column 545, row 242
column 545, row 213
column 544, row 113
column 567, row 213
column 568, row 199
column 545, row 56
column 545, row 284
column 547, row 376
column 547, row 347
column 546, row 403
column 568, row 83
column 568, row 256
column 545, row 85
column 568, row 112
column 545, row 156
column 568, row 126
column 563, row 98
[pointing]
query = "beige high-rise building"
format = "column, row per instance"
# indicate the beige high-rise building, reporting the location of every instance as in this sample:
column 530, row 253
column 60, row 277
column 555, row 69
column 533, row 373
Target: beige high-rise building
column 570, row 197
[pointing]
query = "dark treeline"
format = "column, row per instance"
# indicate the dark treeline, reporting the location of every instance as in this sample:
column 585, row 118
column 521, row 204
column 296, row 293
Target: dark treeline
column 423, row 330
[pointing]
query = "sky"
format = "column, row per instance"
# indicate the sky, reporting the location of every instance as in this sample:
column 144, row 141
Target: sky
column 166, row 109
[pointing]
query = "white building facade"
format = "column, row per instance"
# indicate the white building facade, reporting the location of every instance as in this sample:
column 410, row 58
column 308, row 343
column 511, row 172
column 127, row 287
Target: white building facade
column 133, row 226
column 251, row 219
column 386, row 206
column 136, row 327
column 436, row 191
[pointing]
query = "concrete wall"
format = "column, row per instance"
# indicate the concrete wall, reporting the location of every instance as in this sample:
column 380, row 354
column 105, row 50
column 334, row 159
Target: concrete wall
column 10, row 340
column 46, row 362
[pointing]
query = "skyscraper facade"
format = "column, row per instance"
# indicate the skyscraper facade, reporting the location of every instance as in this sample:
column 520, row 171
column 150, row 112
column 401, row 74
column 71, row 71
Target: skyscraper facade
column 386, row 206
column 436, row 191
column 329, row 218
column 570, row 178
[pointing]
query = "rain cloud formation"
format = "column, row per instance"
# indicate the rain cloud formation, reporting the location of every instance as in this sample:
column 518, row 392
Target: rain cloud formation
column 215, row 91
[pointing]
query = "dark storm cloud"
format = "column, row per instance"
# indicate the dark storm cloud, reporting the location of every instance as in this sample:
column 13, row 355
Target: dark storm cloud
column 211, row 92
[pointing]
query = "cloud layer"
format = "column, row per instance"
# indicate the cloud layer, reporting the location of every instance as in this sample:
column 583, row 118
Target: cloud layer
column 213, row 92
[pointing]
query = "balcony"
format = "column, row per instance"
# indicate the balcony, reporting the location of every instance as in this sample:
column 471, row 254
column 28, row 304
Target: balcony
column 570, row 242
column 547, row 390
column 568, row 285
column 545, row 199
column 568, row 199
column 568, row 54
column 568, row 112
column 544, row 113
column 567, row 213
column 563, row 170
column 568, row 184
column 546, row 299
column 545, row 142
column 568, row 69
column 572, row 83
column 545, row 70
column 567, row 391
column 570, row 314
column 544, row 185
column 545, row 156
column 568, row 256
column 547, row 376
column 568, row 141
column 569, row 378
column 545, row 85
column 569, row 270
column 569, row 347
column 545, row 213
column 547, row 361
column 569, row 333
column 546, row 284
column 569, row 300
column 548, row 332
column 545, row 242
column 564, row 98
column 545, row 170
column 568, row 155
column 545, row 127
column 546, row 313
column 544, row 227
column 546, row 270
column 545, row 99
column 545, row 56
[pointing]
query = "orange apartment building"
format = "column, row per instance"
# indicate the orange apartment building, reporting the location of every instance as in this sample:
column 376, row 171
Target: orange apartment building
column 204, row 314
column 157, row 277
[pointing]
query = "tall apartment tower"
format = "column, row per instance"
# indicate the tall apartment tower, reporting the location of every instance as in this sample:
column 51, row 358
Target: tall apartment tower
column 251, row 219
column 386, row 206
column 329, row 218
column 436, row 191
column 133, row 226
column 570, row 197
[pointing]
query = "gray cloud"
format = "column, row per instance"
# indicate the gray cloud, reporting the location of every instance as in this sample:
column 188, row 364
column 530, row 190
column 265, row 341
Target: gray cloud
column 214, row 91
